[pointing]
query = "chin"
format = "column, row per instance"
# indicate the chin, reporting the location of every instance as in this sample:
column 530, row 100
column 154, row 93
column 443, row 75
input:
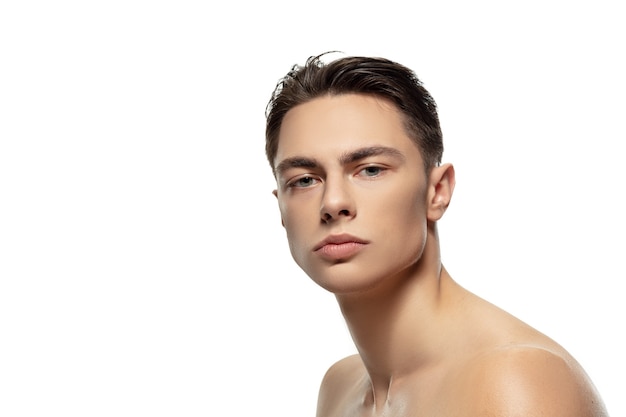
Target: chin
column 344, row 278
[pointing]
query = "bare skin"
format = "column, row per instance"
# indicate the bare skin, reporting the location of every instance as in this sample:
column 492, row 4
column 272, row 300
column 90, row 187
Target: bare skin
column 472, row 360
column 360, row 213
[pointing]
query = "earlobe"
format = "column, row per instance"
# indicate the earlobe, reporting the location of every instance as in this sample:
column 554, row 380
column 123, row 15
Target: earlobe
column 441, row 187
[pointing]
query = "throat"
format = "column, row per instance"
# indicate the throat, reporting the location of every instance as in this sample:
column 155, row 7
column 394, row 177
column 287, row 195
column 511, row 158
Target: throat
column 379, row 395
column 388, row 401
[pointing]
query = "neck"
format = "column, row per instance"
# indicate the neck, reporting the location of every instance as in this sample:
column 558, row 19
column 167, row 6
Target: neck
column 395, row 325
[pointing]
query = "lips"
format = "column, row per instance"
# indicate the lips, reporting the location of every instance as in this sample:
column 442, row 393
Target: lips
column 338, row 247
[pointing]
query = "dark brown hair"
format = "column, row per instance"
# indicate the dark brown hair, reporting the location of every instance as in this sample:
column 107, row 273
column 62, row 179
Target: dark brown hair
column 360, row 75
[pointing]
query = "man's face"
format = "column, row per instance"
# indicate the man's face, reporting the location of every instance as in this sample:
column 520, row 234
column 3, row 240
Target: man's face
column 351, row 191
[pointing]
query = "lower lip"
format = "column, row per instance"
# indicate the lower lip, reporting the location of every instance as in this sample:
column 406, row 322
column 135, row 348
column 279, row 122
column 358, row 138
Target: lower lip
column 340, row 251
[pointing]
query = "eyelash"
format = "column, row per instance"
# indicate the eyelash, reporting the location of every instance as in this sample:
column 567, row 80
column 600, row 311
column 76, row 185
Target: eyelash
column 379, row 170
column 297, row 183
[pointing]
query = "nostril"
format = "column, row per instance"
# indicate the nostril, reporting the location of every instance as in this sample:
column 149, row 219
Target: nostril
column 327, row 217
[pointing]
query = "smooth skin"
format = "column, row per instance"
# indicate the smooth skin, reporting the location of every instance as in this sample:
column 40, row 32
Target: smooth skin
column 360, row 212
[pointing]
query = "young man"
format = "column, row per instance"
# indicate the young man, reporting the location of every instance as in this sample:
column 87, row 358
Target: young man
column 355, row 146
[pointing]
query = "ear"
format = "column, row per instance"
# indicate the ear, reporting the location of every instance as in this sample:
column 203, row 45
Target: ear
column 282, row 222
column 440, row 188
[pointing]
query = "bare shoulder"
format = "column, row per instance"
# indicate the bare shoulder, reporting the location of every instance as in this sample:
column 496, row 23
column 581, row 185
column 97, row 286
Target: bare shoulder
column 340, row 385
column 527, row 380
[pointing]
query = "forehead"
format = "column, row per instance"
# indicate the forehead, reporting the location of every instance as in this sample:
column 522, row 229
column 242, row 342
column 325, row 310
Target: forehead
column 335, row 124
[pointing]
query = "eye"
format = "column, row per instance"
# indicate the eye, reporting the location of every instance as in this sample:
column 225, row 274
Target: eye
column 302, row 182
column 371, row 171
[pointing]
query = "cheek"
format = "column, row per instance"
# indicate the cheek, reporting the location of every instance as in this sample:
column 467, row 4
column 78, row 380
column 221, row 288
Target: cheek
column 300, row 210
column 411, row 224
column 406, row 217
column 296, row 222
column 401, row 206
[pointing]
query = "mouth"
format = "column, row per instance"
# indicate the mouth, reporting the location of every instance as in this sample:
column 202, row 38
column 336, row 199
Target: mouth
column 339, row 247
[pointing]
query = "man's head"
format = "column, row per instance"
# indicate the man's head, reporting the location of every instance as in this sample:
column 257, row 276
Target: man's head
column 359, row 180
column 377, row 77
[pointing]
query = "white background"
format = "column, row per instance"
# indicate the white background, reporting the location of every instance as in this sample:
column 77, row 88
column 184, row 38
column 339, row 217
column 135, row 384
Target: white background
column 143, row 269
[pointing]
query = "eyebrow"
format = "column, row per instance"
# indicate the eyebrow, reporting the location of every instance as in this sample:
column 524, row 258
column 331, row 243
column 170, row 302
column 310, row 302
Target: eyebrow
column 362, row 153
column 345, row 158
column 295, row 162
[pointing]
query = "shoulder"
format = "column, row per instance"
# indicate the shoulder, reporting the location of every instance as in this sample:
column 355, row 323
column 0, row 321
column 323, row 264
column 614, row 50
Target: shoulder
column 340, row 383
column 528, row 381
column 342, row 375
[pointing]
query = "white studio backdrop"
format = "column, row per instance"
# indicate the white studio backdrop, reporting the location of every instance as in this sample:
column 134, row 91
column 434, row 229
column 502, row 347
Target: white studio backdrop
column 143, row 268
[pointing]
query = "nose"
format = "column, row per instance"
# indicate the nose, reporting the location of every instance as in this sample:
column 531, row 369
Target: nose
column 337, row 202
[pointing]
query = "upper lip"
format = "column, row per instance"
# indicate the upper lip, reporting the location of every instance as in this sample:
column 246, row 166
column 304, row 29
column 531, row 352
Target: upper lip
column 338, row 239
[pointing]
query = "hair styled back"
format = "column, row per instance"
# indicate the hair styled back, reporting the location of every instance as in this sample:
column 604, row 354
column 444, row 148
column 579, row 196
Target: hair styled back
column 377, row 77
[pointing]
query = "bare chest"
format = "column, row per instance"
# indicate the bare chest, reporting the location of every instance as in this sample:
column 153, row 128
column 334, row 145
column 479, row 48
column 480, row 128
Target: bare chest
column 431, row 398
